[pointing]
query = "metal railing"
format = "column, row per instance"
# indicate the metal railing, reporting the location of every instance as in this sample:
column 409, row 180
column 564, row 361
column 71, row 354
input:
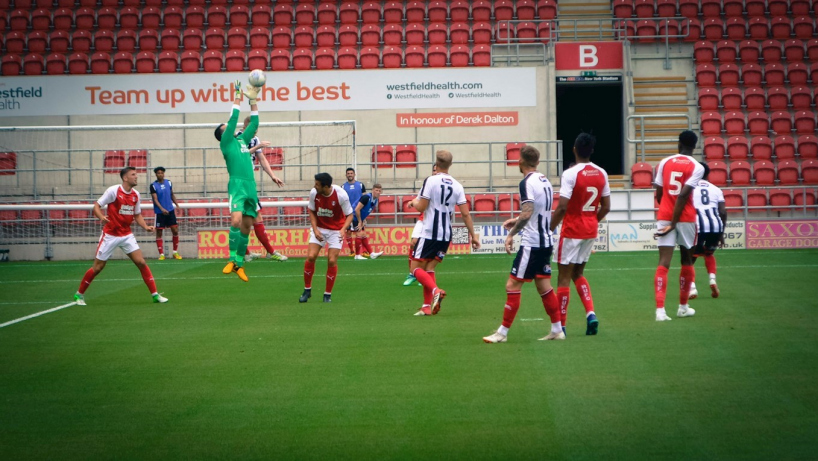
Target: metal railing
column 641, row 140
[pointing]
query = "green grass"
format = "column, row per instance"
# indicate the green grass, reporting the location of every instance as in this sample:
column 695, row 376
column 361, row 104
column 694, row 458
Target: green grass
column 229, row 370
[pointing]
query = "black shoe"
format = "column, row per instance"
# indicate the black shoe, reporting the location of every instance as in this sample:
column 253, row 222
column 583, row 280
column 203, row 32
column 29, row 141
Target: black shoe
column 305, row 296
column 327, row 298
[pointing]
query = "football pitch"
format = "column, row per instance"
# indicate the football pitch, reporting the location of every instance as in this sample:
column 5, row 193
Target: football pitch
column 232, row 370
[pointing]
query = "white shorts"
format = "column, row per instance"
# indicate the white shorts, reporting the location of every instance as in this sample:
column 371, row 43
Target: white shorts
column 109, row 243
column 331, row 238
column 418, row 230
column 684, row 235
column 574, row 251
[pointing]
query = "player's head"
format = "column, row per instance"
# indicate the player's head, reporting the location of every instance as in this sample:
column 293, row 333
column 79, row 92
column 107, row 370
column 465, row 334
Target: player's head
column 687, row 141
column 246, row 122
column 376, row 190
column 350, row 174
column 529, row 158
column 443, row 160
column 323, row 183
column 584, row 146
column 128, row 175
column 219, row 131
column 160, row 173
column 706, row 170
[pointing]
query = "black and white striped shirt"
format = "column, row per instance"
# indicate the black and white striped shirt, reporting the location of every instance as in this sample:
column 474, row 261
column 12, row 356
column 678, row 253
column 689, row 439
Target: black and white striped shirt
column 443, row 193
column 706, row 199
column 537, row 189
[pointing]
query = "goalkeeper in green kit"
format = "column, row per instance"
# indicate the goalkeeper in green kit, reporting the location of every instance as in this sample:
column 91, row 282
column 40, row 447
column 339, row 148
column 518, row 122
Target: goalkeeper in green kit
column 242, row 184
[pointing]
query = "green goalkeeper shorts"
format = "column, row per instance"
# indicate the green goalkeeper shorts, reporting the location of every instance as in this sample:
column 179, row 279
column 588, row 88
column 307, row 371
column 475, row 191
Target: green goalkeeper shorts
column 243, row 196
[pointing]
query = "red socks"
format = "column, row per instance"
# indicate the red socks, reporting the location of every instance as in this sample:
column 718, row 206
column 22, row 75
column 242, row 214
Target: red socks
column 710, row 263
column 425, row 278
column 332, row 272
column 261, row 235
column 160, row 245
column 552, row 305
column 365, row 243
column 86, row 280
column 660, row 286
column 175, row 243
column 685, row 279
column 584, row 292
column 511, row 308
column 148, row 278
column 563, row 296
column 309, row 270
column 358, row 245
column 350, row 244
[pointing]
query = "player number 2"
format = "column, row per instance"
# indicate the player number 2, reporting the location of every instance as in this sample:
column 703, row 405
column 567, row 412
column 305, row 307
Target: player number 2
column 675, row 185
column 443, row 196
column 589, row 204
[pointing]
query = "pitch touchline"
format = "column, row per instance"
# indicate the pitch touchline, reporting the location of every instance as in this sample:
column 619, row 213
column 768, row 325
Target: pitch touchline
column 384, row 274
column 37, row 314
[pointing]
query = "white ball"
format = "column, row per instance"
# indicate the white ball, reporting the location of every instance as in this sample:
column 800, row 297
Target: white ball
column 257, row 78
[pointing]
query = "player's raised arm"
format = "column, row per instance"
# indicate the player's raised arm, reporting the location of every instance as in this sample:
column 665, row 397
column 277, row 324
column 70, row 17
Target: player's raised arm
column 230, row 129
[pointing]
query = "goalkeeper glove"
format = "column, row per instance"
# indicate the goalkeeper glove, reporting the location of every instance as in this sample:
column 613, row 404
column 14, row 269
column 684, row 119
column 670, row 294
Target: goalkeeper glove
column 237, row 87
column 252, row 94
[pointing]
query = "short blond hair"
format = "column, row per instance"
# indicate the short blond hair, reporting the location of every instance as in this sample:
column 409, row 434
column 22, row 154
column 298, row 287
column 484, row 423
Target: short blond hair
column 529, row 156
column 443, row 159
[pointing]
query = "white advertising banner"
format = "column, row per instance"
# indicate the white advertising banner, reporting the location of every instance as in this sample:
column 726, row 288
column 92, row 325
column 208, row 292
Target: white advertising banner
column 285, row 91
column 493, row 239
column 638, row 236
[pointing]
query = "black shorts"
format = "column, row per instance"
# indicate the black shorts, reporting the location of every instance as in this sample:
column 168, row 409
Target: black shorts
column 428, row 249
column 532, row 263
column 706, row 243
column 163, row 221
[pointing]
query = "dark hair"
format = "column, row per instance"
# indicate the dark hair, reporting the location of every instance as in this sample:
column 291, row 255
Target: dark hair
column 350, row 169
column 324, row 178
column 125, row 171
column 706, row 170
column 158, row 169
column 688, row 139
column 219, row 131
column 584, row 144
column 377, row 186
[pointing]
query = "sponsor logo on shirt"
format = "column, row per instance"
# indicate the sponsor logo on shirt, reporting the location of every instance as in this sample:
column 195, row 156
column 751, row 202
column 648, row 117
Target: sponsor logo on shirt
column 126, row 210
column 446, row 181
column 324, row 212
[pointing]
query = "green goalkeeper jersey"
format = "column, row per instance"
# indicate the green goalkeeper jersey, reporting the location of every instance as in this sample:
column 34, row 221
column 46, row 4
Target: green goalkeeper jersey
column 234, row 149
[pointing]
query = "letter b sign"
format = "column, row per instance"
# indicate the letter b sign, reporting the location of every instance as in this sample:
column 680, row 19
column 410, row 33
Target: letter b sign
column 588, row 56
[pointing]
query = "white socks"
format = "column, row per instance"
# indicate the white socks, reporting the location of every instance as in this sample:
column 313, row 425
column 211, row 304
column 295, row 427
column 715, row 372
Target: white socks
column 503, row 330
column 556, row 327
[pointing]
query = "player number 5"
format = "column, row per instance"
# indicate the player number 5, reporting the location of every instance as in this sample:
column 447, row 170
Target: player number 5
column 675, row 185
column 588, row 205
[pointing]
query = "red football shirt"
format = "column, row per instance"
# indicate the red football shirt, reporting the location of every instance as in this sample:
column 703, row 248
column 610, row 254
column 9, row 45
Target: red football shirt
column 331, row 211
column 673, row 173
column 583, row 185
column 121, row 208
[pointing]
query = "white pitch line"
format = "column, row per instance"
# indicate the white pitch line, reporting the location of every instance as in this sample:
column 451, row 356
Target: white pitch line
column 48, row 311
column 390, row 274
column 29, row 302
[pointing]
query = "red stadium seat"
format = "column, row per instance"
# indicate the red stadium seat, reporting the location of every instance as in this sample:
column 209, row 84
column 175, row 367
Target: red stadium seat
column 190, row 61
column 808, row 147
column 813, row 72
column 781, row 122
column 303, row 59
column 804, row 197
column 439, row 11
column 437, row 56
column 733, row 200
column 237, row 38
column 283, row 15
column 212, row 61
column 788, row 173
column 260, row 16
column 59, row 40
column 777, row 7
column 37, row 41
column 327, row 13
column 784, row 147
column 646, row 30
column 508, row 204
column 437, row 34
column 781, row 198
column 513, row 153
column 726, row 51
column 666, row 8
column 15, row 42
column 460, row 11
column 349, row 13
column 282, row 37
column 414, row 56
column 481, row 56
column 804, row 27
column 416, row 12
column 370, row 58
column 104, row 40
column 138, row 159
column 234, row 61
column 81, row 41
column 729, row 74
column 481, row 11
column 622, row 9
column 547, row 9
column 304, row 14
column 406, row 156
column 710, row 123
column 259, row 37
column 689, row 8
column 504, row 10
column 415, row 34
column 113, row 161
column 780, row 28
column 739, row 173
column 718, row 173
column 711, row 8
column 151, row 18
column 771, row 51
column 758, row 123
column 392, row 35
column 280, row 59
column 347, row 35
column 736, row 28
column 347, row 58
column 812, row 51
column 258, row 59
column 761, row 148
column 148, row 40
column 195, row 17
column 669, row 27
column 274, row 156
column 324, row 58
column 714, row 148
column 123, row 63
column 371, row 13
column 393, row 12
column 794, row 50
column 758, row 28
column 171, row 40
column 797, row 73
column 41, row 19
column 78, row 63
column 382, row 157
column 804, row 122
column 172, row 16
column 738, row 148
column 192, row 39
column 749, row 51
column 19, row 20
column 544, row 32
column 734, row 123
column 774, row 74
column 642, row 175
column 481, row 33
column 703, row 52
column 706, row 75
column 484, row 205
column 63, row 19
column 756, row 200
column 751, row 74
column 459, row 33
column 459, row 56
column 392, row 57
column 809, row 171
column 33, row 64
column 763, row 172
column 754, row 98
column 370, row 35
column 731, row 98
column 214, row 38
column 146, row 63
column 778, row 98
column 713, row 29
